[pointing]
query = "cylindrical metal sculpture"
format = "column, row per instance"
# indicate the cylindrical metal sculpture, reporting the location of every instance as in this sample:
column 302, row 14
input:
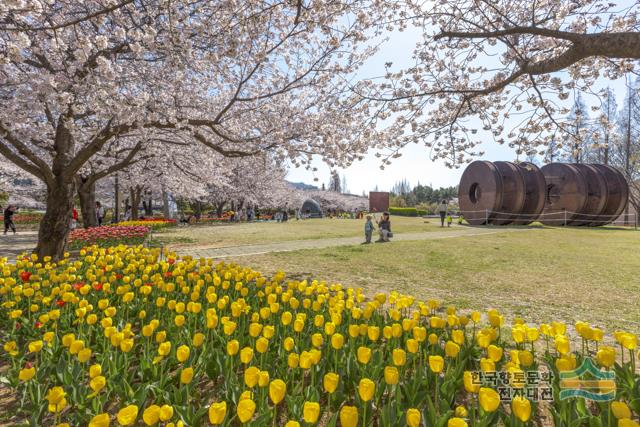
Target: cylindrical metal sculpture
column 534, row 185
column 502, row 193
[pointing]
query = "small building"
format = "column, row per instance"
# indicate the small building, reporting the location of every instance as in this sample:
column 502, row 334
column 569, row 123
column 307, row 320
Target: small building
column 311, row 209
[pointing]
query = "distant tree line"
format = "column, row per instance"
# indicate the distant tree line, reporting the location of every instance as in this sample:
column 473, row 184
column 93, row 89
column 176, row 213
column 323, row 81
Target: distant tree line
column 420, row 196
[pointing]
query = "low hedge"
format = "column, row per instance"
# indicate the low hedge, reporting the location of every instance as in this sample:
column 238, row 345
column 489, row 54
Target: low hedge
column 407, row 211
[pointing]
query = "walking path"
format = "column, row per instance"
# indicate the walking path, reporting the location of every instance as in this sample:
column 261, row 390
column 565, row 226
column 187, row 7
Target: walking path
column 13, row 245
column 294, row 245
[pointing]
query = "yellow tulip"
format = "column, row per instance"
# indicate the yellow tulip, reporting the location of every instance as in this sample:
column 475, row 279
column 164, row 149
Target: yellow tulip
column 521, row 408
column 562, row 344
column 95, row 370
column 373, row 333
column 186, row 376
column 451, row 349
column 317, row 340
column 97, row 384
column 263, row 379
column 182, row 353
column 337, row 341
column 277, row 390
column 262, row 345
column 620, row 410
column 233, row 347
column 606, row 356
column 524, row 358
column 391, row 375
column 27, row 374
column 461, row 411
column 151, row 415
column 627, row 422
column 364, row 355
column 127, row 415
column 56, row 397
column 166, row 412
column 198, row 339
column 349, row 416
column 489, row 399
column 217, row 412
column 366, row 389
column 164, row 348
column 84, row 355
column 413, row 417
column 100, row 420
column 494, row 353
column 436, row 364
column 471, row 384
column 412, row 346
column 456, row 422
column 293, row 360
column 246, row 409
column 330, row 382
column 292, row 423
column 251, row 376
column 36, row 346
column 311, row 412
column 399, row 357
column 126, row 345
column 246, row 355
column 487, row 365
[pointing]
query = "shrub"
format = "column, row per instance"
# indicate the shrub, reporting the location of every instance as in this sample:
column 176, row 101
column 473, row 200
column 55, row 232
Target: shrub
column 403, row 211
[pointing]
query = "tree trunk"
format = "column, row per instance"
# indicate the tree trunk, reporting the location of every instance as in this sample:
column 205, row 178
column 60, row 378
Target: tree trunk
column 55, row 224
column 87, row 196
column 219, row 209
column 165, row 205
column 134, row 193
column 148, row 205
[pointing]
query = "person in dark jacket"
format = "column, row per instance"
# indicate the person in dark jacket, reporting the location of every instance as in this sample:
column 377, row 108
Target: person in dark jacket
column 8, row 219
column 384, row 227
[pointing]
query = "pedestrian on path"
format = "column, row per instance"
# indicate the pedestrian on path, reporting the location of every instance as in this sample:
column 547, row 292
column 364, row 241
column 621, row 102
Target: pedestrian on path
column 442, row 209
column 8, row 219
column 368, row 230
column 449, row 220
column 99, row 213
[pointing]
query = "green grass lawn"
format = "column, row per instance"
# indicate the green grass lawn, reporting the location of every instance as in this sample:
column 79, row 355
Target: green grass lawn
column 541, row 274
column 270, row 232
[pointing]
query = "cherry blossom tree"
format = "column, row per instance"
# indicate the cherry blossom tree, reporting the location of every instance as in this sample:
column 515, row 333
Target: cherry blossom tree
column 239, row 79
column 500, row 70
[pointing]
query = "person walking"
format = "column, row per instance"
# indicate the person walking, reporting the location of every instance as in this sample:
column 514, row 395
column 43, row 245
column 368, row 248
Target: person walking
column 74, row 218
column 368, row 230
column 8, row 219
column 442, row 209
column 99, row 213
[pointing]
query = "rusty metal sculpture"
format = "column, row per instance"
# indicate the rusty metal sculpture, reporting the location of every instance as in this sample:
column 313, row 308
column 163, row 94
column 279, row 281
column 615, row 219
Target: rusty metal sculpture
column 502, row 193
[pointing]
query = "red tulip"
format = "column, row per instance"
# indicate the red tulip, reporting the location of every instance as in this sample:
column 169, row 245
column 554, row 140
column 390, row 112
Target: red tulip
column 25, row 276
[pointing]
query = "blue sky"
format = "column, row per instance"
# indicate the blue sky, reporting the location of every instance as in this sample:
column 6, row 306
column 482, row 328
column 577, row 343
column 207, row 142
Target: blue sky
column 415, row 164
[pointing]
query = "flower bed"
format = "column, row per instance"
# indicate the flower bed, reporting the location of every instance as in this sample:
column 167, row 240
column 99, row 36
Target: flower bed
column 25, row 218
column 108, row 235
column 153, row 223
column 120, row 334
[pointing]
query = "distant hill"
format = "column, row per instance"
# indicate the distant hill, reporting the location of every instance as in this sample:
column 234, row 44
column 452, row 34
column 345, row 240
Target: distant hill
column 302, row 186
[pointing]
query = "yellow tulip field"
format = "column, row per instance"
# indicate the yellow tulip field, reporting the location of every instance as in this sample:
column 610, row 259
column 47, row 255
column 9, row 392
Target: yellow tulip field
column 133, row 336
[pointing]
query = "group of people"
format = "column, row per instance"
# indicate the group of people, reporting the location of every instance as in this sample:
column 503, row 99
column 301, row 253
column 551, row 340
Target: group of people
column 384, row 228
column 384, row 224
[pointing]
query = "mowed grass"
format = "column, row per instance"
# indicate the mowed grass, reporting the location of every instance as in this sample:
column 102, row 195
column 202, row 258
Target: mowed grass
column 217, row 236
column 541, row 274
